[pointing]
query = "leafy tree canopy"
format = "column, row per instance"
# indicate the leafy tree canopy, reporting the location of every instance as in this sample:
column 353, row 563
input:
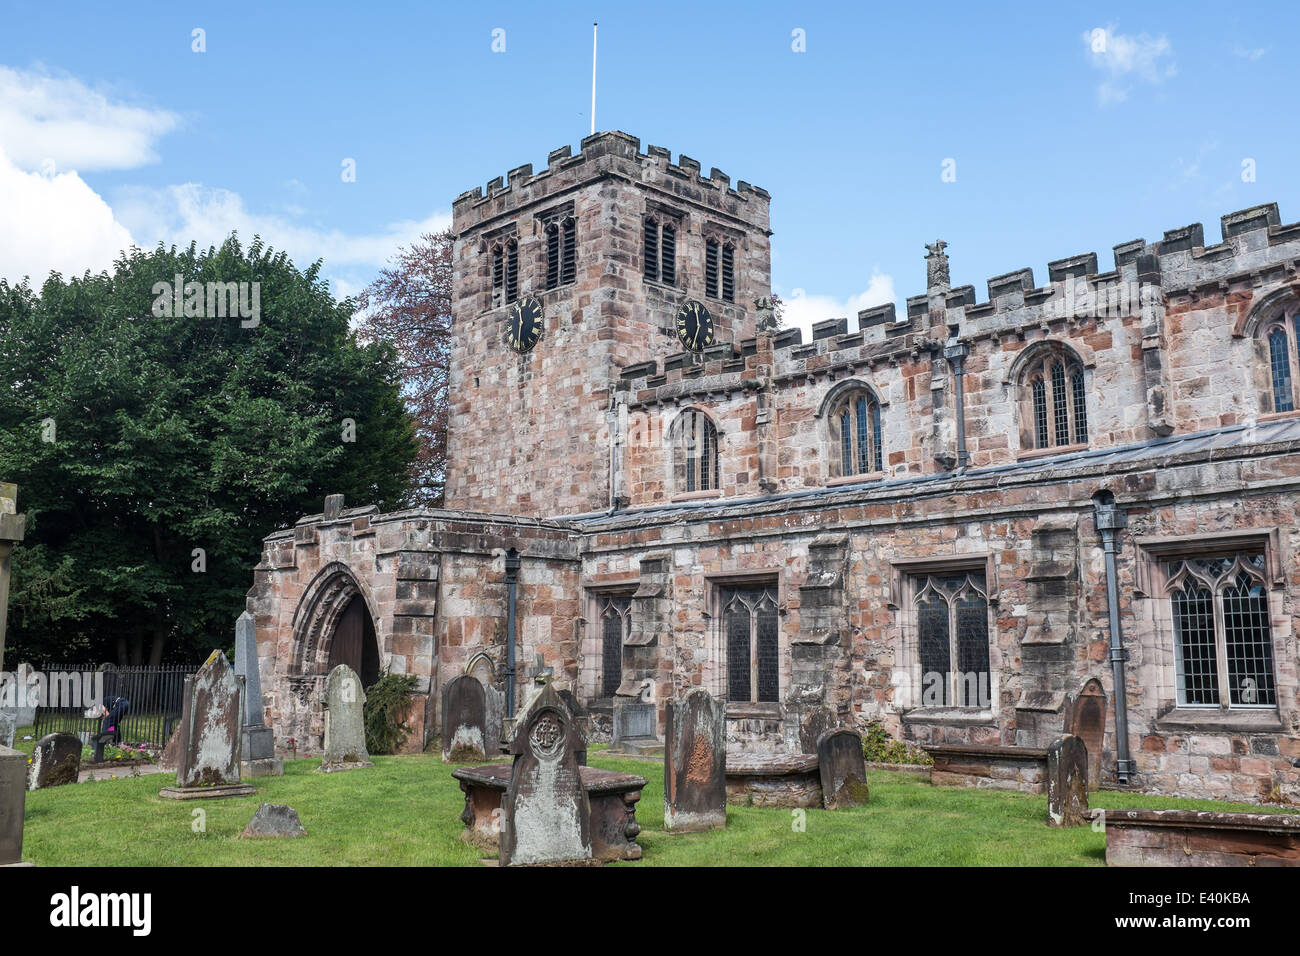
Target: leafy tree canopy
column 136, row 438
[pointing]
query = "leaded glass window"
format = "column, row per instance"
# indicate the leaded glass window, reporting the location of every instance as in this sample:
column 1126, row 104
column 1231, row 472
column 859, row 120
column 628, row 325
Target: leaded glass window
column 697, row 452
column 752, row 629
column 1055, row 401
column 615, row 619
column 855, row 435
column 952, row 639
column 1223, row 640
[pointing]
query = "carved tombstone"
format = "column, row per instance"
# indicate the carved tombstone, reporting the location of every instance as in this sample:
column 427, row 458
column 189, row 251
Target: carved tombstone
column 695, row 763
column 465, row 736
column 546, row 816
column 8, row 729
column 258, row 744
column 55, row 761
column 843, row 769
column 1067, row 782
column 209, row 743
column 345, row 724
column 13, row 799
column 1088, row 723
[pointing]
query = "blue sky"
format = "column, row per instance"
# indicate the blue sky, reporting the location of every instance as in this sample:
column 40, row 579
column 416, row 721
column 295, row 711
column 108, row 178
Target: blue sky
column 114, row 130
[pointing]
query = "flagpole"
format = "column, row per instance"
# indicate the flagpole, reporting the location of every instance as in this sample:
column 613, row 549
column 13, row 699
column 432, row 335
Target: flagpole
column 593, row 79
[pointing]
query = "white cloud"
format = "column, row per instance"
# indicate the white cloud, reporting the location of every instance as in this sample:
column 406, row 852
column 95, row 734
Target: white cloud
column 54, row 223
column 1251, row 54
column 802, row 309
column 1126, row 59
column 46, row 118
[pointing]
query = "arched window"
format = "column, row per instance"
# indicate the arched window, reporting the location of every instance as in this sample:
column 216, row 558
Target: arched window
column 615, row 619
column 751, row 628
column 1223, row 638
column 505, row 273
column 952, row 639
column 1053, row 401
column 1281, row 336
column 695, row 462
column 561, row 252
column 855, row 445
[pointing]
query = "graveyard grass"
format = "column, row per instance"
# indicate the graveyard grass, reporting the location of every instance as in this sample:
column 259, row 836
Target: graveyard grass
column 406, row 812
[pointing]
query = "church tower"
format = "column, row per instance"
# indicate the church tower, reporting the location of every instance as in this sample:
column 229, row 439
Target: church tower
column 563, row 279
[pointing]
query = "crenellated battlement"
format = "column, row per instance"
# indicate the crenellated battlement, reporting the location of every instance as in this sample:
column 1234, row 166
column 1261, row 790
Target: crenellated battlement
column 612, row 154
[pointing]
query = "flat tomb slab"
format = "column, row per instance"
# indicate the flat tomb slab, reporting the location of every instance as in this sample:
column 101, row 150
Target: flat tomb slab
column 1201, row 838
column 774, row 780
column 988, row 767
column 612, row 797
column 207, row 793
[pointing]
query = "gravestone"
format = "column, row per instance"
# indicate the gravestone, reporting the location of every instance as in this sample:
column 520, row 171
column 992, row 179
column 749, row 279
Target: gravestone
column 257, row 747
column 1088, row 723
column 815, row 723
column 546, row 817
column 465, row 735
column 345, row 723
column 581, row 718
column 55, row 761
column 13, row 800
column 634, row 717
column 273, row 820
column 1067, row 782
column 695, row 763
column 842, row 768
column 208, row 748
column 8, row 728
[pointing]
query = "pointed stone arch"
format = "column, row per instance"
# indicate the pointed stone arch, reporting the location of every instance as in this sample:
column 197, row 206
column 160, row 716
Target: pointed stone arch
column 324, row 602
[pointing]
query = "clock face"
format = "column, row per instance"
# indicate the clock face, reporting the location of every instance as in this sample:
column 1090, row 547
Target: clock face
column 524, row 324
column 694, row 326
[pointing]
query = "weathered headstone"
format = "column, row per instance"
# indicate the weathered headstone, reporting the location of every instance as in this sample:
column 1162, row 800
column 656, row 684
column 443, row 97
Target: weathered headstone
column 465, row 735
column 581, row 718
column 1088, row 723
column 208, row 749
column 843, row 769
column 546, row 816
column 815, row 723
column 13, row 799
column 695, row 763
column 1067, row 782
column 345, row 723
column 274, row 820
column 8, row 728
column 258, row 744
column 55, row 761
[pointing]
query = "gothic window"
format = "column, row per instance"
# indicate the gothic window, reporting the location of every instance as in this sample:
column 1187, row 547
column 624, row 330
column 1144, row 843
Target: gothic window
column 952, row 639
column 1054, row 401
column 1281, row 336
column 719, row 270
column 659, row 251
column 615, row 619
column 750, row 626
column 505, row 273
column 855, row 443
column 696, row 462
column 1223, row 641
column 561, row 252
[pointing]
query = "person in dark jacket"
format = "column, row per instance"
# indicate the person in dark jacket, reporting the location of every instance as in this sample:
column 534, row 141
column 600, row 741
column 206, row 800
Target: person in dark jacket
column 110, row 728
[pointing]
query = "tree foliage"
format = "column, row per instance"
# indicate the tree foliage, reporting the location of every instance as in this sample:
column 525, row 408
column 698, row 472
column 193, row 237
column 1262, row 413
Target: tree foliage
column 409, row 306
column 137, row 439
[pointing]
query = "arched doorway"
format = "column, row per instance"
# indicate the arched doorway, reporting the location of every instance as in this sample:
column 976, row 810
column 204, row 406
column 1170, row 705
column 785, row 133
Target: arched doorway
column 354, row 642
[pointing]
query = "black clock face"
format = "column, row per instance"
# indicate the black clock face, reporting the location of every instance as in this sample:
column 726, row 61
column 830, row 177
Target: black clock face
column 524, row 325
column 694, row 326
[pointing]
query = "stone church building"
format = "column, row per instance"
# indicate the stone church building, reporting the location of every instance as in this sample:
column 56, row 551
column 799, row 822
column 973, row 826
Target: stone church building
column 973, row 519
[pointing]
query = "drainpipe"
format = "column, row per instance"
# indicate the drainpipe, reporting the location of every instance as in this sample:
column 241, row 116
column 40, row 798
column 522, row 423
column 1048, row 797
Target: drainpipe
column 1110, row 521
column 956, row 352
column 512, row 582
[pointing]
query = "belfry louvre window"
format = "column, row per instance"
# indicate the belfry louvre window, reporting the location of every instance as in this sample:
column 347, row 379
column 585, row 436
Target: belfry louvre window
column 1054, row 402
column 1281, row 337
column 750, row 627
column 952, row 639
column 659, row 251
column 1223, row 640
column 505, row 273
column 719, row 270
column 697, row 452
column 561, row 252
column 615, row 619
column 855, row 435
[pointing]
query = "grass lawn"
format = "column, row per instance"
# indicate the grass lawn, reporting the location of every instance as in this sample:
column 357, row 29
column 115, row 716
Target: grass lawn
column 406, row 812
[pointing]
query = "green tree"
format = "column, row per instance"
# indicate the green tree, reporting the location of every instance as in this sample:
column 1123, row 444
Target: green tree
column 139, row 440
